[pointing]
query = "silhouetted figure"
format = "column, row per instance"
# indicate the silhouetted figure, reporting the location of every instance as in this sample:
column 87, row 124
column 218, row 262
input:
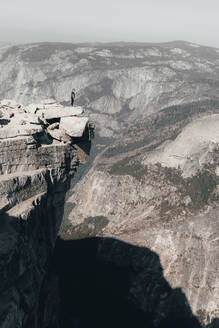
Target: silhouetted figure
column 73, row 92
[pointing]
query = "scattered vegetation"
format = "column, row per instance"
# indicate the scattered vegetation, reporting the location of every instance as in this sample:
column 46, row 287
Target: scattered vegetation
column 161, row 126
column 202, row 317
column 213, row 324
column 68, row 208
column 128, row 166
column 168, row 210
column 200, row 187
column 91, row 227
column 165, row 207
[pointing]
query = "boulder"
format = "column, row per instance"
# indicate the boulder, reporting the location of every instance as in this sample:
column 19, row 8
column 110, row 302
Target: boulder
column 27, row 118
column 9, row 109
column 74, row 126
column 54, row 111
column 32, row 108
column 57, row 134
column 53, row 126
column 21, row 125
column 12, row 131
column 48, row 101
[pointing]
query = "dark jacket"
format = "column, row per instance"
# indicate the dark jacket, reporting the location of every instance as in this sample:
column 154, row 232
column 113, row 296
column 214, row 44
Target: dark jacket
column 72, row 95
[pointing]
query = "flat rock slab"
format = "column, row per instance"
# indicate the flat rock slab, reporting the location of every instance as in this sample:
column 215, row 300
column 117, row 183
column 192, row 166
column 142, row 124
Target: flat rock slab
column 25, row 118
column 8, row 109
column 9, row 103
column 48, row 101
column 57, row 134
column 51, row 111
column 21, row 125
column 11, row 131
column 74, row 126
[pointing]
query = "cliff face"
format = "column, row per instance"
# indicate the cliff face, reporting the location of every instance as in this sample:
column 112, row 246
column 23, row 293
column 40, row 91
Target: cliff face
column 36, row 168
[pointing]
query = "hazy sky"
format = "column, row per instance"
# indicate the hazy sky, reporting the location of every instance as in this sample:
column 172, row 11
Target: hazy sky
column 109, row 20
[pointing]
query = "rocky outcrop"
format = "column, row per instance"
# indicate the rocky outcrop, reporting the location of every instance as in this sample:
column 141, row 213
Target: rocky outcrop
column 36, row 168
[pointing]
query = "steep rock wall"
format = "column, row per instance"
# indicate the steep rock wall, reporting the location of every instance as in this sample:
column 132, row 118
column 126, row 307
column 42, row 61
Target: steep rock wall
column 35, row 174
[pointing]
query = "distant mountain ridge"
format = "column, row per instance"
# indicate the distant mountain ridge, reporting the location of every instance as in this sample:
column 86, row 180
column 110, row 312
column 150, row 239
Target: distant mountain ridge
column 118, row 82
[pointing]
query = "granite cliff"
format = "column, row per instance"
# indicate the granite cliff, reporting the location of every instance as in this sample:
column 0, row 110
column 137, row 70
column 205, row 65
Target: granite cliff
column 39, row 154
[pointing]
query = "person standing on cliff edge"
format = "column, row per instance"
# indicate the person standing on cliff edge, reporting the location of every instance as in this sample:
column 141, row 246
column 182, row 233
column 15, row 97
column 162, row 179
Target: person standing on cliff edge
column 73, row 92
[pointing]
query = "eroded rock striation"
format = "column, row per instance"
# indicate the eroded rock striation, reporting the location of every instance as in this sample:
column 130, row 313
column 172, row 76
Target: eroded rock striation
column 38, row 158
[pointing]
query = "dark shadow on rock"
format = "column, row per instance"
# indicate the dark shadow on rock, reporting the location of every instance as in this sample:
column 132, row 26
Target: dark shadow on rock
column 26, row 249
column 83, row 143
column 214, row 324
column 86, row 147
column 105, row 282
column 4, row 121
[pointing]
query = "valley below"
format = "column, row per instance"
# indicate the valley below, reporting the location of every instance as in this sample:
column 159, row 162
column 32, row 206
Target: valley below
column 137, row 226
